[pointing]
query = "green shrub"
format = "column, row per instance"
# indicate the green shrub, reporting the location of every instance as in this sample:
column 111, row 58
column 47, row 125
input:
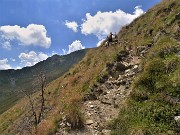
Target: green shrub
column 153, row 72
column 74, row 115
column 120, row 125
column 139, row 95
column 172, row 64
column 102, row 77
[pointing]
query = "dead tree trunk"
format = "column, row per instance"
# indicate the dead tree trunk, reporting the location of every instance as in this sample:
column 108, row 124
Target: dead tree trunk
column 36, row 111
column 42, row 81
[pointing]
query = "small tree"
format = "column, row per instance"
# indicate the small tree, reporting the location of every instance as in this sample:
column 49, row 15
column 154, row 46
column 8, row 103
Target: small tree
column 38, row 85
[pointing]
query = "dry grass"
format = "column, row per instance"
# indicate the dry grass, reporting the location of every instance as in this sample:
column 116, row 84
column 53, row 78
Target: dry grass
column 64, row 94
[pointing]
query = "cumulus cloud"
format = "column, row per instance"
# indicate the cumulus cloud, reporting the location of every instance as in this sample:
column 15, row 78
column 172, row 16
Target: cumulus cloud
column 102, row 23
column 31, row 58
column 76, row 45
column 138, row 11
column 72, row 25
column 99, row 43
column 4, row 64
column 33, row 34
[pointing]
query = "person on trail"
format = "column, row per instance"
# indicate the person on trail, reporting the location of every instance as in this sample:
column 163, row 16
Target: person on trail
column 109, row 39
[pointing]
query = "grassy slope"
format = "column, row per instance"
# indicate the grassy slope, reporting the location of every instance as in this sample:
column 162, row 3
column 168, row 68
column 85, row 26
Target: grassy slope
column 152, row 105
column 65, row 92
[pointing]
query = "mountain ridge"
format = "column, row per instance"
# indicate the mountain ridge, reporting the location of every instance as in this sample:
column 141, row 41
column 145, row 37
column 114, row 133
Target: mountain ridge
column 13, row 80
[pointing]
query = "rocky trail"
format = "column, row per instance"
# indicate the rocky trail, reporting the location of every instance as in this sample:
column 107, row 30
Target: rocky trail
column 102, row 103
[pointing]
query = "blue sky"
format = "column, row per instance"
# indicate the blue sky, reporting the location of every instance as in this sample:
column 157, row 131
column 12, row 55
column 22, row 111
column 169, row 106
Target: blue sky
column 32, row 30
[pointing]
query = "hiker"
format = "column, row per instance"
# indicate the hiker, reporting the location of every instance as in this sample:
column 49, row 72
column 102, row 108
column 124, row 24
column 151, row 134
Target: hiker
column 109, row 39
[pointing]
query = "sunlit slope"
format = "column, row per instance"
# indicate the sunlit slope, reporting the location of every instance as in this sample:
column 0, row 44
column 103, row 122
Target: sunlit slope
column 155, row 99
column 67, row 90
column 158, row 28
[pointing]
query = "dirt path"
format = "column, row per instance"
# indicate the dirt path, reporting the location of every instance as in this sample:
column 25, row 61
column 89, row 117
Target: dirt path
column 100, row 111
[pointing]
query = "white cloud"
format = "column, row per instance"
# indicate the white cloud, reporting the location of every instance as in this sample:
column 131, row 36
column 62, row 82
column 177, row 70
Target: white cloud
column 6, row 45
column 18, row 67
column 76, row 45
column 138, row 11
column 72, row 25
column 54, row 52
column 99, row 43
column 31, row 58
column 4, row 64
column 33, row 34
column 102, row 23
column 64, row 51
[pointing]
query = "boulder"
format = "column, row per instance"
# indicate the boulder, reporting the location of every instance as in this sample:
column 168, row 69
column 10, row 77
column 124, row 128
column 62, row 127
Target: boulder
column 177, row 118
column 118, row 66
column 109, row 65
column 108, row 85
column 135, row 68
column 122, row 82
column 105, row 100
column 106, row 132
column 89, row 122
column 130, row 74
column 121, row 55
column 128, row 83
column 90, row 96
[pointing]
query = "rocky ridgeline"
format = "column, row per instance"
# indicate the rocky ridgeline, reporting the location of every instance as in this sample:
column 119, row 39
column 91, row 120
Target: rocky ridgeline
column 102, row 103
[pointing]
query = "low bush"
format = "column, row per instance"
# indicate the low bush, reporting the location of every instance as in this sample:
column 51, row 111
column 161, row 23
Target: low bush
column 74, row 117
column 138, row 95
column 73, row 113
column 102, row 77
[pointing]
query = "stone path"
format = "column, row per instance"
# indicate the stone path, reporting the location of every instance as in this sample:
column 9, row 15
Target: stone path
column 102, row 104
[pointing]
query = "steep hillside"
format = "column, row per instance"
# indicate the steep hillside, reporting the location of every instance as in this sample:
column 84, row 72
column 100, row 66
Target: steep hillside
column 154, row 104
column 12, row 81
column 62, row 95
column 138, row 75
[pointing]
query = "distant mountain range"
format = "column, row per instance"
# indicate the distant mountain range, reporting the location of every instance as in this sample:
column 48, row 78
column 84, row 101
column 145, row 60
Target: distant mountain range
column 12, row 81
